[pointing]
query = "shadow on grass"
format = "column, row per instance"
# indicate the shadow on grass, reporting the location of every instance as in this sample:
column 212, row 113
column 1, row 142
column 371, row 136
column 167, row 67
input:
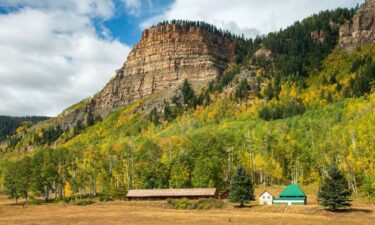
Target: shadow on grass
column 351, row 210
column 32, row 202
column 242, row 207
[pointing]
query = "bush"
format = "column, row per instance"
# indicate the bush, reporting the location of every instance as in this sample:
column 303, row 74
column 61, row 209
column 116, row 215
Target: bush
column 33, row 201
column 200, row 204
column 281, row 109
column 105, row 198
column 84, row 202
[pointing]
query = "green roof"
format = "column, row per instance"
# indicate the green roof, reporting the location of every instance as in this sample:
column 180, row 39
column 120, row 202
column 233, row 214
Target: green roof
column 292, row 190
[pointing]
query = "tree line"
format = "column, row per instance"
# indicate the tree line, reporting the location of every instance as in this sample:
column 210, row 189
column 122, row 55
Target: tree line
column 9, row 124
column 206, row 26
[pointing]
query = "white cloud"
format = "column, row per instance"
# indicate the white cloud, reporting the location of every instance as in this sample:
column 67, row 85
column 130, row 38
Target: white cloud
column 51, row 55
column 250, row 17
column 133, row 7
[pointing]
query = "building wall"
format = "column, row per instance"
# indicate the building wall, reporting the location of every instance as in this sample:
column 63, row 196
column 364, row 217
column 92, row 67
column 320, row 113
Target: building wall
column 158, row 198
column 265, row 199
column 289, row 202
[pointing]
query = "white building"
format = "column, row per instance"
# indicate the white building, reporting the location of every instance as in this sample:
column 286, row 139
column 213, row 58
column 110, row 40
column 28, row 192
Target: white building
column 266, row 198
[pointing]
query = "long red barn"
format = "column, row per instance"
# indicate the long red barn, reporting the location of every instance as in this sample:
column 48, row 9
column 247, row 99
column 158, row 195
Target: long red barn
column 158, row 194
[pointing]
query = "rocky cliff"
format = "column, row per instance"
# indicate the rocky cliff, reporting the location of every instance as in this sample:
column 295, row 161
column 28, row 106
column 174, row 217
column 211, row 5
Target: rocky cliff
column 361, row 30
column 160, row 61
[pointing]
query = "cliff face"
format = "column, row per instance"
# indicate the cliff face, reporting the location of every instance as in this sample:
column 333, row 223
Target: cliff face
column 361, row 30
column 165, row 56
column 160, row 61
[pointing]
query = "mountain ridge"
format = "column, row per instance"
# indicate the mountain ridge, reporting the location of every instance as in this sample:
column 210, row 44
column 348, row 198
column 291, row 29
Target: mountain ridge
column 166, row 55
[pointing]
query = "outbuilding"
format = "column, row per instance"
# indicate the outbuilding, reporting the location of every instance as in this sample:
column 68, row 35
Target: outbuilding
column 161, row 194
column 266, row 198
column 291, row 195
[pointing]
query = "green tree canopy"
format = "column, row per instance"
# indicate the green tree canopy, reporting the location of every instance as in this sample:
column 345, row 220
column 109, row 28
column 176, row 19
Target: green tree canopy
column 334, row 191
column 241, row 187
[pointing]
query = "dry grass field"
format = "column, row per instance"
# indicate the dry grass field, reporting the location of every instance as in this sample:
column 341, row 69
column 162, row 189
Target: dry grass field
column 123, row 212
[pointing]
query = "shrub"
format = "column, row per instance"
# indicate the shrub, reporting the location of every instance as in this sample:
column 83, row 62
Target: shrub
column 200, row 204
column 84, row 202
column 105, row 198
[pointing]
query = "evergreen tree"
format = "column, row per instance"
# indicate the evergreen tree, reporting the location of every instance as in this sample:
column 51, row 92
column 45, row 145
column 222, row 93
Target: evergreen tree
column 334, row 191
column 78, row 127
column 167, row 112
column 241, row 187
column 90, row 119
column 268, row 92
column 154, row 116
column 97, row 118
column 188, row 94
column 241, row 90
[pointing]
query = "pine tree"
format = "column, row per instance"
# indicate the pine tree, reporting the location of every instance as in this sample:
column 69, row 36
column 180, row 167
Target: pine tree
column 90, row 119
column 188, row 94
column 242, row 90
column 167, row 112
column 268, row 92
column 154, row 116
column 334, row 191
column 78, row 127
column 241, row 187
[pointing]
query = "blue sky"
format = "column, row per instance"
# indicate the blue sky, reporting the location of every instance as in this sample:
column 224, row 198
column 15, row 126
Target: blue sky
column 54, row 53
column 124, row 25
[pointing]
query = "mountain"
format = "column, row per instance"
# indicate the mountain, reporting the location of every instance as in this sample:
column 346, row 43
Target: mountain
column 191, row 102
column 361, row 30
column 9, row 124
column 166, row 55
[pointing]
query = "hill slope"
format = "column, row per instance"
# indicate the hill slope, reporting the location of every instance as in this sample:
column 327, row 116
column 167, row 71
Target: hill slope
column 8, row 124
column 291, row 104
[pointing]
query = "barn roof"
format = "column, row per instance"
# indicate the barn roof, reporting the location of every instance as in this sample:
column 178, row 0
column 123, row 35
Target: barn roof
column 292, row 190
column 191, row 192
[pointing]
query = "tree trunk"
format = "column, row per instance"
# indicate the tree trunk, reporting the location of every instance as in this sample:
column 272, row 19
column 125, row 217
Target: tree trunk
column 46, row 193
column 94, row 187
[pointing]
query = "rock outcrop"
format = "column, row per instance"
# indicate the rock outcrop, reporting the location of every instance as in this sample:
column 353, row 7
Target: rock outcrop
column 361, row 30
column 319, row 36
column 263, row 52
column 161, row 60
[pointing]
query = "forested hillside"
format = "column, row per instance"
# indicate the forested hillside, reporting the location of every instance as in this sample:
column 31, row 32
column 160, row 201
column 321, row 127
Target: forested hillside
column 285, row 116
column 9, row 124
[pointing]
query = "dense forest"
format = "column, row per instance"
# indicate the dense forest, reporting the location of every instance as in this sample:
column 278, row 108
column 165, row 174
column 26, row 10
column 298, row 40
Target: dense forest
column 205, row 26
column 307, row 106
column 9, row 124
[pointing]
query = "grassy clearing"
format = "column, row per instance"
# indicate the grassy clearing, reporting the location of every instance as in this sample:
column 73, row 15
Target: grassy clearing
column 156, row 212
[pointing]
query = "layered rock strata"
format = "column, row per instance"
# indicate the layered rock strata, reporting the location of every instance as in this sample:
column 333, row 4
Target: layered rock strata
column 165, row 56
column 361, row 30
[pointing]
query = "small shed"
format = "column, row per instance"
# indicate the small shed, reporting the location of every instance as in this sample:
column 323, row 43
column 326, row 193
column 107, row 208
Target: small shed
column 266, row 198
column 291, row 195
column 161, row 194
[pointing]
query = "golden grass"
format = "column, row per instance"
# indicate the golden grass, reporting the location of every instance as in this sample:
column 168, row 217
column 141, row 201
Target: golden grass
column 142, row 213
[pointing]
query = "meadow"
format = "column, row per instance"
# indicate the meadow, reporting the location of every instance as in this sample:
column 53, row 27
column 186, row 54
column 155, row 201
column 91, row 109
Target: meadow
column 155, row 212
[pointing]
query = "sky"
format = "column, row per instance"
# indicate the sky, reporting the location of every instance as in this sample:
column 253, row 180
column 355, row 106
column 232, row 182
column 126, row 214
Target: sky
column 54, row 53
